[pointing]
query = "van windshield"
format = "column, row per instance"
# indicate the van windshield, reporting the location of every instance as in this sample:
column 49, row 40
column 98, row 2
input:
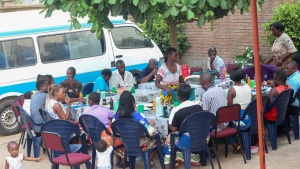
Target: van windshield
column 68, row 46
column 129, row 37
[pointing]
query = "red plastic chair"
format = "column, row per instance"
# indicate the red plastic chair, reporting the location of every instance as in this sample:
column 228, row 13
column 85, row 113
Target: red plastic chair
column 53, row 141
column 223, row 115
column 14, row 105
column 21, row 99
column 230, row 67
column 195, row 69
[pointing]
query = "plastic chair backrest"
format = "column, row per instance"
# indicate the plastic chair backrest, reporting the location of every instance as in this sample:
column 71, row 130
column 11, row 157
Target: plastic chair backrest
column 195, row 69
column 52, row 141
column 87, row 88
column 93, row 127
column 45, row 115
column 297, row 95
column 198, row 125
column 64, row 128
column 14, row 105
column 130, row 131
column 251, row 110
column 228, row 113
column 21, row 99
column 229, row 67
column 26, row 119
column 281, row 103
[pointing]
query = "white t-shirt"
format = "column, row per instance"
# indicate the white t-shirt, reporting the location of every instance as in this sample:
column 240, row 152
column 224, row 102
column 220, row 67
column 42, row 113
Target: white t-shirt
column 218, row 63
column 26, row 105
column 15, row 163
column 49, row 108
column 116, row 79
column 104, row 158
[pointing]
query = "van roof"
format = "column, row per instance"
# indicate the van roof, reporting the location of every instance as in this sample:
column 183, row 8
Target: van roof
column 26, row 22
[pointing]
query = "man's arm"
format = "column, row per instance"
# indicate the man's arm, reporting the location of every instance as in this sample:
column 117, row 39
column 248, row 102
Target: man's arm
column 273, row 93
column 145, row 78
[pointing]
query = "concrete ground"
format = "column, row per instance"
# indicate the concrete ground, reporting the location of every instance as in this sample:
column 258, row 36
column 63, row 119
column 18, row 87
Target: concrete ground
column 287, row 156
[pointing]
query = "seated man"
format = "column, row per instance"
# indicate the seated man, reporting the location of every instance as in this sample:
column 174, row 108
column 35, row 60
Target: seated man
column 214, row 61
column 294, row 81
column 38, row 101
column 148, row 74
column 121, row 77
column 280, row 85
column 177, row 116
column 101, row 83
column 267, row 71
column 73, row 86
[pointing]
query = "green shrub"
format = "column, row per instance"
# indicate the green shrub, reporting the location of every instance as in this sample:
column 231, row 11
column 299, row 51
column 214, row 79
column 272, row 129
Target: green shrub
column 160, row 35
column 288, row 14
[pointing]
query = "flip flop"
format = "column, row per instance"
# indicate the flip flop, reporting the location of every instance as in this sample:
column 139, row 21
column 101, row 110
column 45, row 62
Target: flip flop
column 237, row 149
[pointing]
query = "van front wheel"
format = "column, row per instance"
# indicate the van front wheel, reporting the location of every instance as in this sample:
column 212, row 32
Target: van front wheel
column 8, row 120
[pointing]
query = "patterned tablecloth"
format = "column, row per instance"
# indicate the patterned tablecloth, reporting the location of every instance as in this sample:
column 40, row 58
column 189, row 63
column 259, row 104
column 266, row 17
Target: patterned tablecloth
column 76, row 111
column 161, row 123
column 144, row 95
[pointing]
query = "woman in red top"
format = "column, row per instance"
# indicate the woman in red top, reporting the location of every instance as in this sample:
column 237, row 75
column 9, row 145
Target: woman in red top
column 279, row 79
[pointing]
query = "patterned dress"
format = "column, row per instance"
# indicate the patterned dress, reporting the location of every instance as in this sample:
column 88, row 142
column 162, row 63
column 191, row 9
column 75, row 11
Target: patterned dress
column 170, row 80
column 281, row 46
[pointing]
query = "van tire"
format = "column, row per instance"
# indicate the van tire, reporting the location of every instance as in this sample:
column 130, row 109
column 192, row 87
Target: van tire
column 136, row 74
column 8, row 123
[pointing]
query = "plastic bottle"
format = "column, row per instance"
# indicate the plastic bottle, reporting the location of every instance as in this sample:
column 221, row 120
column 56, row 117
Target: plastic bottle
column 159, row 108
column 80, row 95
column 248, row 80
column 111, row 104
column 222, row 75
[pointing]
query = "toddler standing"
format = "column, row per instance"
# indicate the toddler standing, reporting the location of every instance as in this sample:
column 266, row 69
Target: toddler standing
column 103, row 154
column 14, row 161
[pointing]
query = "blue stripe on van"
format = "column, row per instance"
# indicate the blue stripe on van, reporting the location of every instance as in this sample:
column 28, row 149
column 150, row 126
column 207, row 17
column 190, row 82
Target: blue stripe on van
column 83, row 78
column 49, row 29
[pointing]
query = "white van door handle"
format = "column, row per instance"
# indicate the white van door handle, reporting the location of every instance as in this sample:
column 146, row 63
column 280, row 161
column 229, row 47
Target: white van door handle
column 119, row 56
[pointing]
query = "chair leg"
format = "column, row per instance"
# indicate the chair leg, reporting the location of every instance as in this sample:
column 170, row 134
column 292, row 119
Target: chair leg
column 202, row 156
column 241, row 148
column 187, row 158
column 210, row 159
column 246, row 136
column 272, row 130
column 226, row 147
column 295, row 125
column 36, row 146
column 21, row 137
column 216, row 153
column 29, row 143
column 25, row 142
column 93, row 156
column 146, row 158
column 266, row 147
column 287, row 131
column 160, row 153
column 172, row 157
column 132, row 162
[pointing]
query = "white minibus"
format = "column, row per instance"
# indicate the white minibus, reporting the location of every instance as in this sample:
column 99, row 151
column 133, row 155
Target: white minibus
column 31, row 44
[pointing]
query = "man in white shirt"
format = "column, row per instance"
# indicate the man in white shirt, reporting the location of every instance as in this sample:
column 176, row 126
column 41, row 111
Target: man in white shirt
column 121, row 77
column 214, row 61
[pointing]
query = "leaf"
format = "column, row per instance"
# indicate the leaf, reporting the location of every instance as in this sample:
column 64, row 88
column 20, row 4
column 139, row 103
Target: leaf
column 50, row 2
column 142, row 6
column 223, row 4
column 201, row 4
column 99, row 33
column 167, row 13
column 201, row 20
column 49, row 13
column 240, row 4
column 67, row 6
column 135, row 2
column 174, row 11
column 190, row 14
column 153, row 2
column 76, row 24
column 116, row 9
column 112, row 2
column 213, row 3
column 184, row 8
column 107, row 23
column 96, row 1
column 84, row 4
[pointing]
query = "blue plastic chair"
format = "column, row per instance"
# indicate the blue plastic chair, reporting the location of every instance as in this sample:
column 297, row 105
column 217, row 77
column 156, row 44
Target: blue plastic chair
column 295, row 117
column 45, row 115
column 68, row 131
column 246, row 136
column 280, row 103
column 197, row 125
column 130, row 132
column 87, row 88
column 31, row 138
column 94, row 127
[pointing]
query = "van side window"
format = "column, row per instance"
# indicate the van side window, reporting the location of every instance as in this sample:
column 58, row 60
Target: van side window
column 17, row 53
column 68, row 46
column 129, row 37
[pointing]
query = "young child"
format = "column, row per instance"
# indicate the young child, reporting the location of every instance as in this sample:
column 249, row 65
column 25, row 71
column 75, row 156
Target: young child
column 14, row 161
column 103, row 154
column 27, row 100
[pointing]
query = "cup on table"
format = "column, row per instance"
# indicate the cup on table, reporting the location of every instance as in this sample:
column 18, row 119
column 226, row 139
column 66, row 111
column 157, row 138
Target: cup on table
column 86, row 98
column 114, row 89
column 176, row 104
column 132, row 90
column 141, row 108
column 116, row 105
column 102, row 94
column 253, row 83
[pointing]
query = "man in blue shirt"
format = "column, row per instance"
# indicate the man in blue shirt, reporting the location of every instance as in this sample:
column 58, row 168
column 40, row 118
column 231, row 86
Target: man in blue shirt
column 148, row 74
column 293, row 80
column 101, row 83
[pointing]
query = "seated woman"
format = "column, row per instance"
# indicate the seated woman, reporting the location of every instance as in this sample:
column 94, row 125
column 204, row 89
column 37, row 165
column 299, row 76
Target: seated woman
column 168, row 76
column 56, row 94
column 126, row 109
column 239, row 94
column 101, row 83
column 280, row 78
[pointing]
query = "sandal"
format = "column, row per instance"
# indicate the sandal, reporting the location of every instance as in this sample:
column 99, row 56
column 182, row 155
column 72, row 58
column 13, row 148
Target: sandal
column 237, row 149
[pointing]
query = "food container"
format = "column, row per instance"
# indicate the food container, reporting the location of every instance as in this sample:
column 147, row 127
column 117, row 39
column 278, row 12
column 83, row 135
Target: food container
column 254, row 149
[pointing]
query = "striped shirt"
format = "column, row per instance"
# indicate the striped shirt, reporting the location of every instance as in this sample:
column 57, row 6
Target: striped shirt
column 212, row 99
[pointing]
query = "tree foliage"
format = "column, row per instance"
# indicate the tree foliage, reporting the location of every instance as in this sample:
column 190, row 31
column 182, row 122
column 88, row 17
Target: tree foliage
column 160, row 35
column 177, row 11
column 288, row 14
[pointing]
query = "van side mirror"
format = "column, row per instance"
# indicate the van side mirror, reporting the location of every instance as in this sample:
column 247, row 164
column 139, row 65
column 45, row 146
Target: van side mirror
column 148, row 43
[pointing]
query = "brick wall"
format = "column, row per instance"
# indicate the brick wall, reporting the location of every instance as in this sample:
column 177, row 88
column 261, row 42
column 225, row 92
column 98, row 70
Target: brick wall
column 230, row 36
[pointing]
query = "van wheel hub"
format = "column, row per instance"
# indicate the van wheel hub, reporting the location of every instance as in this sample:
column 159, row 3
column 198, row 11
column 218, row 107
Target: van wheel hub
column 8, row 118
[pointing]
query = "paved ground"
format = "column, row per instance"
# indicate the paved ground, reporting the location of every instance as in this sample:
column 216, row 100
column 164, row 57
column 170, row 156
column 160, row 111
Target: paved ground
column 287, row 156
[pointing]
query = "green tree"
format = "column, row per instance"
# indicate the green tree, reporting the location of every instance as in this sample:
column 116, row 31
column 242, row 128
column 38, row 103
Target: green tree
column 288, row 14
column 160, row 35
column 174, row 11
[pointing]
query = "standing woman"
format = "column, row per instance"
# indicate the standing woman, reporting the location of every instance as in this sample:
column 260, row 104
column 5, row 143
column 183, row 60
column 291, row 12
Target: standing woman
column 169, row 76
column 283, row 47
